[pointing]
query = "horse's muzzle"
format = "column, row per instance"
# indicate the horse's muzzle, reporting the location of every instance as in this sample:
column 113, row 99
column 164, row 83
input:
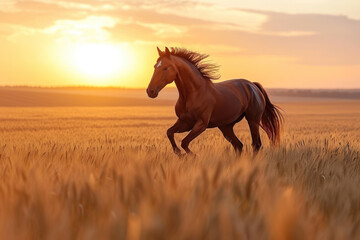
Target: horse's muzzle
column 152, row 93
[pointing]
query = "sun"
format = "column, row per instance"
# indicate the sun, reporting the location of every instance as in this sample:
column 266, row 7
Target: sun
column 100, row 60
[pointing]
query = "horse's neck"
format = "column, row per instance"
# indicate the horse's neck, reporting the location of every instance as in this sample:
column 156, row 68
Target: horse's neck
column 189, row 82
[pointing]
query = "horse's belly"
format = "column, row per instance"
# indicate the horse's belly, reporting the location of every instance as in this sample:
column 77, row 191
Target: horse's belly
column 226, row 114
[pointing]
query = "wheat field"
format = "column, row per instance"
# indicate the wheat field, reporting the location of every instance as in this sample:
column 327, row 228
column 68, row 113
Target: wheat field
column 109, row 173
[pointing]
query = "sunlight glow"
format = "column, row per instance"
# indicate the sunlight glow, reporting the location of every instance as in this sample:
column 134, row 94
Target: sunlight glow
column 98, row 60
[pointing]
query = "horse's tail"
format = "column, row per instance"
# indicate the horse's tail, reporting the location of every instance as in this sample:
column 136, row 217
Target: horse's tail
column 272, row 118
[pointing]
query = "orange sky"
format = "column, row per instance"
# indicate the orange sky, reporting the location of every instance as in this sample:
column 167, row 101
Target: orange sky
column 285, row 44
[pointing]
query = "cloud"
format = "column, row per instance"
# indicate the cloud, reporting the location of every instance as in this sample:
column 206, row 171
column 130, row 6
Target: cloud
column 139, row 24
column 222, row 16
column 325, row 39
column 33, row 14
column 131, row 32
column 166, row 30
column 88, row 29
column 308, row 38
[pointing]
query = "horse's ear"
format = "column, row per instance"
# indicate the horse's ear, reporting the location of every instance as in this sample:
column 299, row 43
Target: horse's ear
column 167, row 52
column 159, row 51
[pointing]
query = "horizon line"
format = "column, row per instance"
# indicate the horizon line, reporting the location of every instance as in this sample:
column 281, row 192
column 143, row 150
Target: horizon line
column 141, row 88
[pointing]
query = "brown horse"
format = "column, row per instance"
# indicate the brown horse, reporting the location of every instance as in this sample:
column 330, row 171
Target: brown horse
column 203, row 104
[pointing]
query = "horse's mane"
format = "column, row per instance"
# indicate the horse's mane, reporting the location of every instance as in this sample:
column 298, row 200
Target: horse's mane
column 207, row 69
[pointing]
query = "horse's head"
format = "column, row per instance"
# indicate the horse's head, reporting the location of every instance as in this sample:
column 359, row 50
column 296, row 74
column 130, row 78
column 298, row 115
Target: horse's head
column 165, row 72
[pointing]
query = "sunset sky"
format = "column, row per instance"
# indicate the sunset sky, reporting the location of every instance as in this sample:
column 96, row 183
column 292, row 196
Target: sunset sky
column 280, row 43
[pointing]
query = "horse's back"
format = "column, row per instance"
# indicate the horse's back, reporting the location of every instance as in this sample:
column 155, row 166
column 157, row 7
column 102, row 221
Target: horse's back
column 242, row 88
column 247, row 93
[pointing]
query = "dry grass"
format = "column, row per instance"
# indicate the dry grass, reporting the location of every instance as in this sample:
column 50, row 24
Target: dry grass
column 109, row 173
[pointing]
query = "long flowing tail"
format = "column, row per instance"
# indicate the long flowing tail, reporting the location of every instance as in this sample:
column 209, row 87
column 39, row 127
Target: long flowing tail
column 272, row 119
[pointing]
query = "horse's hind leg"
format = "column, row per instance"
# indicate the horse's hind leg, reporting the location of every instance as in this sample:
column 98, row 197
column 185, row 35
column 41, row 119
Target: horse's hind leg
column 229, row 135
column 255, row 135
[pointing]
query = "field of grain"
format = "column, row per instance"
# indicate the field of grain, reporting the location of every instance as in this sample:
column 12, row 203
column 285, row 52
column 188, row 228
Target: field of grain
column 109, row 173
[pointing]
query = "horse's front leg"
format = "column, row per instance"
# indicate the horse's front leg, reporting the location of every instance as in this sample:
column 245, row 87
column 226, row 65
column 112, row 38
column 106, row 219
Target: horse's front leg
column 178, row 127
column 199, row 127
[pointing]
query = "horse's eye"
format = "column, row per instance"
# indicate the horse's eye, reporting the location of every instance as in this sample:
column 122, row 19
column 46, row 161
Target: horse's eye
column 165, row 68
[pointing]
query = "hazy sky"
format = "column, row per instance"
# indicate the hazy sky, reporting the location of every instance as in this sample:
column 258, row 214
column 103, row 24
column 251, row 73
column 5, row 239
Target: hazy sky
column 297, row 43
